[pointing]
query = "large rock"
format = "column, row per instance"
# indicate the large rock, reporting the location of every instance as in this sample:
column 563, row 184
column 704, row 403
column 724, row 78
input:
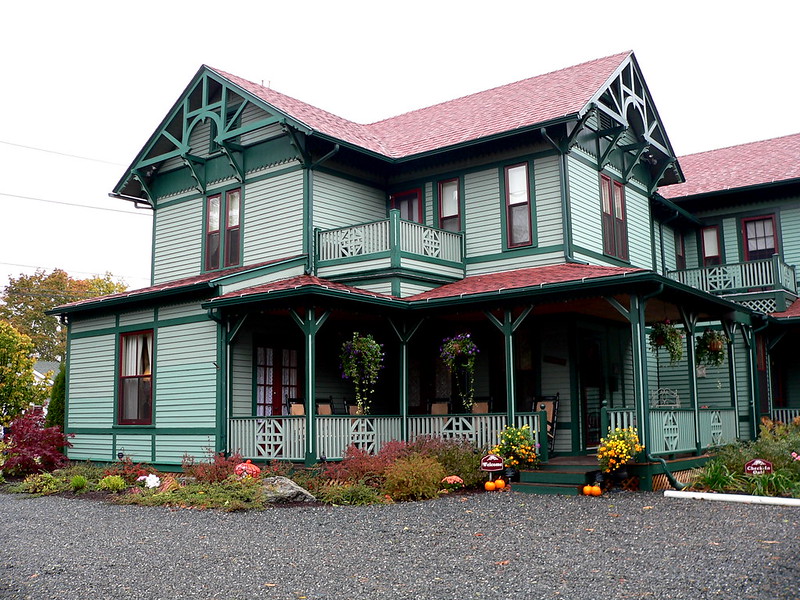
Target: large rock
column 281, row 489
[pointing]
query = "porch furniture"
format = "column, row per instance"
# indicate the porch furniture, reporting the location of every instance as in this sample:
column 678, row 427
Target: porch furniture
column 296, row 406
column 439, row 406
column 549, row 404
column 339, row 406
column 324, row 408
column 482, row 405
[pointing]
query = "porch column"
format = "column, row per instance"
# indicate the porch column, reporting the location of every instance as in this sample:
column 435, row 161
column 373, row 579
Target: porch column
column 310, row 325
column 404, row 333
column 749, row 336
column 690, row 322
column 636, row 317
column 730, row 332
column 507, row 327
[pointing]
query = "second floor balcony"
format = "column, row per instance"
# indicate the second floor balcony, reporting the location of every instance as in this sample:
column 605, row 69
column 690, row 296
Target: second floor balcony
column 744, row 281
column 391, row 244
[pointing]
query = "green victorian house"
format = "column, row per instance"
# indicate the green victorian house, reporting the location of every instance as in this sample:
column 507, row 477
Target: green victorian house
column 538, row 217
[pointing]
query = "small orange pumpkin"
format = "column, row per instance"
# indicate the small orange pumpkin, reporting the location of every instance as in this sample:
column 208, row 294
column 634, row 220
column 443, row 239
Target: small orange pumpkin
column 596, row 490
column 489, row 486
column 499, row 484
column 587, row 490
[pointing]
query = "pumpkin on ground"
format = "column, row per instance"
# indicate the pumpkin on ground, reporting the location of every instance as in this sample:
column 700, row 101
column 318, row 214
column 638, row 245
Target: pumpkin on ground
column 499, row 484
column 489, row 486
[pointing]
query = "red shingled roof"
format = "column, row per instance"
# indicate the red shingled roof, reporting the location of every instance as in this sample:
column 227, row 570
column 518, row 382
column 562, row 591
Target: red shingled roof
column 167, row 286
column 756, row 163
column 792, row 312
column 297, row 283
column 502, row 109
column 522, row 278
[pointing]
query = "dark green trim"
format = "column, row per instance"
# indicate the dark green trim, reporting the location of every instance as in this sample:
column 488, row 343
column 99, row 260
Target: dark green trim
column 606, row 258
column 513, row 252
column 143, row 325
column 107, row 304
column 672, row 207
column 221, row 434
column 635, row 183
column 115, row 430
column 259, row 271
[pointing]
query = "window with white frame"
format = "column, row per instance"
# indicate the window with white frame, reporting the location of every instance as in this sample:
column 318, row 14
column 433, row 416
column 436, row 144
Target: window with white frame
column 518, row 206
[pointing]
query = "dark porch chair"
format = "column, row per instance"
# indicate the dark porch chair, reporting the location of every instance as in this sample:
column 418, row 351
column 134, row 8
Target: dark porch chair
column 549, row 404
column 339, row 406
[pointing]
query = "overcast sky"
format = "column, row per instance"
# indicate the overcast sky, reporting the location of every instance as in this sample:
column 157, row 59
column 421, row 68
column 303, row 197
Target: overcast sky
column 86, row 83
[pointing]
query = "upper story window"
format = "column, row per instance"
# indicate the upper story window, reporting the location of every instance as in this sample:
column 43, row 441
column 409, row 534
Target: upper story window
column 409, row 204
column 135, row 380
column 615, row 226
column 759, row 237
column 680, row 251
column 518, row 206
column 223, row 220
column 449, row 206
column 711, row 247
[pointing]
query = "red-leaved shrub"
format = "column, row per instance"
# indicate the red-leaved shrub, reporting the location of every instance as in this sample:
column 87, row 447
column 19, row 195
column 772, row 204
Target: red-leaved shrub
column 217, row 468
column 129, row 470
column 32, row 447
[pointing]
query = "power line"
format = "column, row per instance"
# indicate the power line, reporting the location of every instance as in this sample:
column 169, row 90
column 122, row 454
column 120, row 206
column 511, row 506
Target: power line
column 97, row 160
column 70, row 271
column 126, row 212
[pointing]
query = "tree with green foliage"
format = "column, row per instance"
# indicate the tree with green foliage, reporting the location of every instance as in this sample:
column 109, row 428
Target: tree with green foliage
column 58, row 396
column 18, row 385
column 26, row 299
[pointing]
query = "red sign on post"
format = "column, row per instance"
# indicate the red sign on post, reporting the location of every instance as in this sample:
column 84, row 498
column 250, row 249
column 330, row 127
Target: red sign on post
column 491, row 462
column 758, row 466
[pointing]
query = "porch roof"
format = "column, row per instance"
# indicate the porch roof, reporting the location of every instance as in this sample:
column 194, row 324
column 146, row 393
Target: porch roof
column 168, row 288
column 790, row 314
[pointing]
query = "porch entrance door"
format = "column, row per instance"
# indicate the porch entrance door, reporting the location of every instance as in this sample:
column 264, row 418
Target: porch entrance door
column 592, row 390
column 276, row 380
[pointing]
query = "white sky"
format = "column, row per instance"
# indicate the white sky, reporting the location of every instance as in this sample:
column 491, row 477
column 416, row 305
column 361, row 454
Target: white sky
column 94, row 79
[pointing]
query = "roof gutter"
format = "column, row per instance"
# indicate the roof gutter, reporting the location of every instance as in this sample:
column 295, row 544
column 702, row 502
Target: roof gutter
column 136, row 201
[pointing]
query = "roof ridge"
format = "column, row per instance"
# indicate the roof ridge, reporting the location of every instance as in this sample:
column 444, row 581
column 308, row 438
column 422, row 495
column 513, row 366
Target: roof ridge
column 498, row 87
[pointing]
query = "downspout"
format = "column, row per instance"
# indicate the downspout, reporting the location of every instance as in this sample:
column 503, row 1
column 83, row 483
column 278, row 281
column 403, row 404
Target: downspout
column 566, row 223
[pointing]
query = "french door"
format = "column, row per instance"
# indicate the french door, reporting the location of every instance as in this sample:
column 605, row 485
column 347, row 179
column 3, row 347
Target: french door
column 277, row 380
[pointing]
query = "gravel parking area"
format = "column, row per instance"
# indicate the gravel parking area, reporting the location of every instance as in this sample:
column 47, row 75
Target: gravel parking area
column 489, row 545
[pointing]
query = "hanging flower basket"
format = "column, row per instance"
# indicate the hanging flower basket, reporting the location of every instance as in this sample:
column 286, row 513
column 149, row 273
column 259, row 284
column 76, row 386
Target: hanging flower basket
column 710, row 348
column 664, row 334
column 458, row 354
column 361, row 361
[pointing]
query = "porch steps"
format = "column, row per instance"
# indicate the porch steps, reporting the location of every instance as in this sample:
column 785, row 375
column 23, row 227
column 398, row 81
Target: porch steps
column 564, row 477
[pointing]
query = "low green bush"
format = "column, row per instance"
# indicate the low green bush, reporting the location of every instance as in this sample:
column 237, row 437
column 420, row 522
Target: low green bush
column 357, row 494
column 78, row 483
column 40, row 483
column 415, row 477
column 229, row 495
column 112, row 483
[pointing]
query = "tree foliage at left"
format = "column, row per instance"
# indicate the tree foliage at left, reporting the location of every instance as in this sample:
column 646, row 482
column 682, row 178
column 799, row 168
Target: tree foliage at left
column 18, row 385
column 27, row 298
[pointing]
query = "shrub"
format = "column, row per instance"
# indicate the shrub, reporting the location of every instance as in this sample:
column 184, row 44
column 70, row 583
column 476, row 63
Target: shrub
column 78, row 483
column 356, row 494
column 129, row 470
column 55, row 409
column 40, row 483
column 229, row 495
column 216, row 469
column 33, row 448
column 112, row 483
column 359, row 466
column 458, row 457
column 415, row 477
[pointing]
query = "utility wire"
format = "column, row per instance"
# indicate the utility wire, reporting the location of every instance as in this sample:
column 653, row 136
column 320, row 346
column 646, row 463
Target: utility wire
column 97, row 160
column 126, row 212
column 71, row 271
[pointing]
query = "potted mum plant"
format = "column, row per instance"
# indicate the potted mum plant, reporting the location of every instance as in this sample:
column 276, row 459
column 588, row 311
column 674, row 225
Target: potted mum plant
column 518, row 449
column 361, row 361
column 618, row 449
column 710, row 348
column 664, row 334
column 458, row 354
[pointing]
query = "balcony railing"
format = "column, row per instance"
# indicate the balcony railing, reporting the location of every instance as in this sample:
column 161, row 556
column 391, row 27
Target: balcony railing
column 769, row 273
column 392, row 235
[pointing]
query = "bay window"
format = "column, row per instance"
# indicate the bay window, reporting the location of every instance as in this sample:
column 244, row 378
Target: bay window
column 135, row 378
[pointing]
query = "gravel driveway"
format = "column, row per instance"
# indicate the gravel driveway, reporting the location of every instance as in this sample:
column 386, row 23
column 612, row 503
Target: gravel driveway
column 491, row 545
